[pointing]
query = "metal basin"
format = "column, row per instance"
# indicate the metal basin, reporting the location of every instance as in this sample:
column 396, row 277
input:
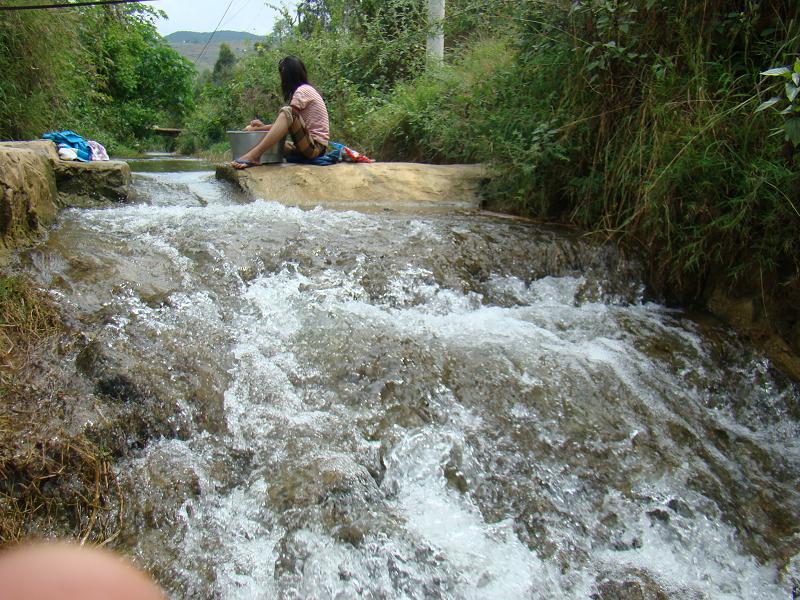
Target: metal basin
column 242, row 141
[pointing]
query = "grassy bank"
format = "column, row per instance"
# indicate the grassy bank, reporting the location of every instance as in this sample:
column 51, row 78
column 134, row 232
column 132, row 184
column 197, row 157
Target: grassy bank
column 639, row 127
column 52, row 482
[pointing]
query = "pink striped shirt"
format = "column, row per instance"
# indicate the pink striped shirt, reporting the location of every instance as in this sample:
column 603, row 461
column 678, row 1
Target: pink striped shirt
column 311, row 107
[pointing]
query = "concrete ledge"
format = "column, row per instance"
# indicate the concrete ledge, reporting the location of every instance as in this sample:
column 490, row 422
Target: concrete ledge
column 361, row 185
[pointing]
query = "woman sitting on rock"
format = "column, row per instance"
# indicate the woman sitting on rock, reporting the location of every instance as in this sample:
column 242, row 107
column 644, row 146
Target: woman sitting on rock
column 305, row 118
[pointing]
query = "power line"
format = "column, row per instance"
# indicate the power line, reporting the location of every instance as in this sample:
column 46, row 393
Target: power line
column 199, row 56
column 72, row 4
column 238, row 12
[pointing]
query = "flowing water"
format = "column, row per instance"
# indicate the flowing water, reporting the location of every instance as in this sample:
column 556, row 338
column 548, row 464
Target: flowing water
column 392, row 405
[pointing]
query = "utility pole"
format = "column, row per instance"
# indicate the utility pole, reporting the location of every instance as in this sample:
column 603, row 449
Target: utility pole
column 435, row 46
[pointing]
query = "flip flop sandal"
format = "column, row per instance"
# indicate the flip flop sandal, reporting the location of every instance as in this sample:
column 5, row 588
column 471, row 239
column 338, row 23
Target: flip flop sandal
column 246, row 163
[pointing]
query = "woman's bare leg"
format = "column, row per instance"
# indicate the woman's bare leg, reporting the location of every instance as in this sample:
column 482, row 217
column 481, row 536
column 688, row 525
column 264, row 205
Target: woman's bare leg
column 279, row 129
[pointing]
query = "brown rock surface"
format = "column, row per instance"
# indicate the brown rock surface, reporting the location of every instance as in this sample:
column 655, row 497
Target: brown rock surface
column 44, row 147
column 747, row 314
column 82, row 184
column 362, row 185
column 93, row 183
column 27, row 197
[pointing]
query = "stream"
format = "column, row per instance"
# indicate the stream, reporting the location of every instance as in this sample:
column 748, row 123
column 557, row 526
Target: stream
column 414, row 404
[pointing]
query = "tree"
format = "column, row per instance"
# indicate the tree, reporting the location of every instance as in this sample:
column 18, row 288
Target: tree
column 142, row 81
column 223, row 68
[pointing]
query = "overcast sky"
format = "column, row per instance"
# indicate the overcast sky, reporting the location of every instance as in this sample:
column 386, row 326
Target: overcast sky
column 253, row 16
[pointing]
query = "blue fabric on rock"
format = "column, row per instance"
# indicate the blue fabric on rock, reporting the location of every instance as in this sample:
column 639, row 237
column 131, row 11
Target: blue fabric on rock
column 338, row 153
column 325, row 160
column 70, row 139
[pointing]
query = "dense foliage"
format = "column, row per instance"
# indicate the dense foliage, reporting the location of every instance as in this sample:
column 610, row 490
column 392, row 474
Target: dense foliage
column 104, row 72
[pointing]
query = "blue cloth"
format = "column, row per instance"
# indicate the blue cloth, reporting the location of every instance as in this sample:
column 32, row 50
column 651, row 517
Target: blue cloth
column 331, row 158
column 336, row 149
column 70, row 139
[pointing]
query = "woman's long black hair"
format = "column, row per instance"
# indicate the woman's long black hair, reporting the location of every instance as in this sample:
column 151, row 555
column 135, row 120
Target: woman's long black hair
column 293, row 75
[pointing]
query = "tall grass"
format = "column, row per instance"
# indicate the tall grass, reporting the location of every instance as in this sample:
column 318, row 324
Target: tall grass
column 41, row 68
column 631, row 119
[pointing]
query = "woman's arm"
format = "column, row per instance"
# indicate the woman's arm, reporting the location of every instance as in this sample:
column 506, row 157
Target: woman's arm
column 256, row 125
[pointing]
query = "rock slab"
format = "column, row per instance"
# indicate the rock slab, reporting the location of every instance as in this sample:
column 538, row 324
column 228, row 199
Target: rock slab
column 362, row 185
column 82, row 184
column 91, row 184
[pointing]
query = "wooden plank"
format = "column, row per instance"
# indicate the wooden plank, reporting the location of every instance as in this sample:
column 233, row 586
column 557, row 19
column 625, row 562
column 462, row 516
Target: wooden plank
column 166, row 131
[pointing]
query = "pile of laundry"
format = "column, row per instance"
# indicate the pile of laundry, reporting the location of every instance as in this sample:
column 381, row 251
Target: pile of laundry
column 71, row 146
column 337, row 153
column 345, row 154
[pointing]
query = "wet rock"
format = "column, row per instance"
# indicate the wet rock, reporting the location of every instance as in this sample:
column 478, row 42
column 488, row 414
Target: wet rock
column 455, row 477
column 658, row 516
column 791, row 572
column 680, row 507
column 89, row 358
column 120, row 388
column 228, row 468
column 166, row 482
column 624, row 545
column 27, row 197
column 292, row 555
column 129, row 410
column 532, row 516
column 629, row 590
column 631, row 584
column 681, row 434
column 324, row 480
column 746, row 313
column 407, row 416
column 343, row 496
column 91, row 184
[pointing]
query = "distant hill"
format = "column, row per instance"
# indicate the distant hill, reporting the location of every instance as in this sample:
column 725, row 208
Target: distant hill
column 191, row 43
column 195, row 37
